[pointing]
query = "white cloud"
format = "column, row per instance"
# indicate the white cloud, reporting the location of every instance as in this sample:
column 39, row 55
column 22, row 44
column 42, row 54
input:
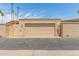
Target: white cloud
column 35, row 14
column 31, row 14
column 6, row 18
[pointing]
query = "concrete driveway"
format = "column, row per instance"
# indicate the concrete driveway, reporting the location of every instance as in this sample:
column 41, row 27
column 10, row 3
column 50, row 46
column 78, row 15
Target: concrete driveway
column 40, row 44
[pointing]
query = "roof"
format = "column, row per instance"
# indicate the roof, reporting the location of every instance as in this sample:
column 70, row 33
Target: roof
column 72, row 20
column 40, row 19
column 12, row 22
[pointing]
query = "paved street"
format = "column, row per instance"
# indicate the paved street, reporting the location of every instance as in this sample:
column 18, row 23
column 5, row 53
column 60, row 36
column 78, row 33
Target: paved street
column 39, row 47
column 40, row 44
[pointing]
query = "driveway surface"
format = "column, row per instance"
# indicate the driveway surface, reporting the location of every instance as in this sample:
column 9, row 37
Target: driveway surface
column 39, row 44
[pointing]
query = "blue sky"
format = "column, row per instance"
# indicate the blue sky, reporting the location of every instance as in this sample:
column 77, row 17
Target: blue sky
column 42, row 10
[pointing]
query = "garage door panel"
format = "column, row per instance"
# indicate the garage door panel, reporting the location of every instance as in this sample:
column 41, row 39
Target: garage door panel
column 71, row 30
column 39, row 30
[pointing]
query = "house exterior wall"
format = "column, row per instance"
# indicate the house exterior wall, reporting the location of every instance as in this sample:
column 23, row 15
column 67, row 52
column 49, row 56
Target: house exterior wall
column 52, row 30
column 39, row 28
column 12, row 29
column 42, row 30
column 2, row 30
column 70, row 29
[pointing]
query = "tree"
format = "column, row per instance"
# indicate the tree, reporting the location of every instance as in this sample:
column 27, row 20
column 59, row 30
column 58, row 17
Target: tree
column 78, row 11
column 12, row 11
column 18, row 8
column 0, row 11
column 2, row 14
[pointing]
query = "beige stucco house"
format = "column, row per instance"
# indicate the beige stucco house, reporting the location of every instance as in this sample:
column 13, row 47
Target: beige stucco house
column 37, row 28
column 40, row 28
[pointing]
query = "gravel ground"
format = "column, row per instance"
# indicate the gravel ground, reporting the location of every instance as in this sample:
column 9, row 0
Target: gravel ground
column 39, row 44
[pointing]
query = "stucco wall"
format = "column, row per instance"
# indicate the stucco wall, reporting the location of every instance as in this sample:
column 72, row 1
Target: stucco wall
column 20, row 31
column 54, row 29
column 70, row 30
column 2, row 30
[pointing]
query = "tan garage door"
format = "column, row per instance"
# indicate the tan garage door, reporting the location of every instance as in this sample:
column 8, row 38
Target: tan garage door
column 71, row 30
column 39, row 30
